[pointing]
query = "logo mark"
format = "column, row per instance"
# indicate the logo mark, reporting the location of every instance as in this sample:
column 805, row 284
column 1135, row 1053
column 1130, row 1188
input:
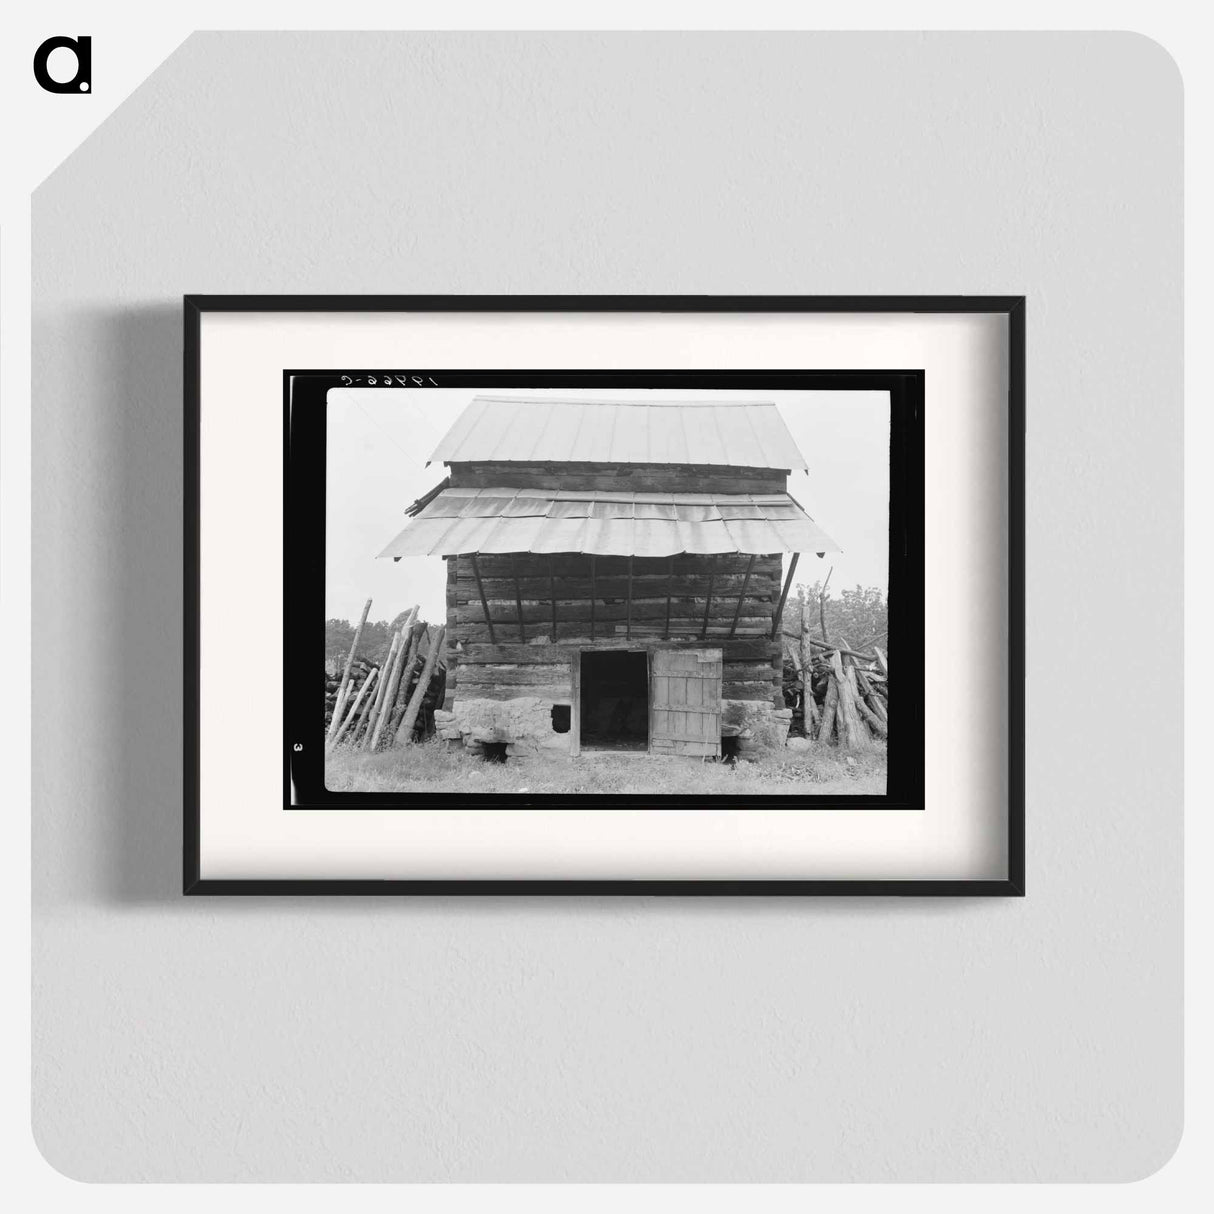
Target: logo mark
column 82, row 48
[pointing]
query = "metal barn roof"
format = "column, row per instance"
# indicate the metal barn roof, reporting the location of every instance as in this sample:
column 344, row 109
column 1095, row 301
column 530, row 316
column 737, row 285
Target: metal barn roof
column 619, row 524
column 541, row 429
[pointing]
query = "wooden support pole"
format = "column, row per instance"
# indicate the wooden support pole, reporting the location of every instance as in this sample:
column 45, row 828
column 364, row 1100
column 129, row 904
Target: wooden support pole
column 628, row 609
column 792, row 568
column 712, row 573
column 340, row 702
column 742, row 597
column 552, row 593
column 518, row 597
column 594, row 591
column 669, row 592
column 476, row 573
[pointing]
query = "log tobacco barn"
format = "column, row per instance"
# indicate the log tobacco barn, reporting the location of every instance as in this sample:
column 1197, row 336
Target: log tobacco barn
column 614, row 572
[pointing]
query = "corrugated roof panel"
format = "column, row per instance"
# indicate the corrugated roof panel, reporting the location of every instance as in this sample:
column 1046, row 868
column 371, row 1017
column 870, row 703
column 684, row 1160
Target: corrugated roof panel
column 513, row 535
column 546, row 429
column 657, row 537
column 611, row 535
column 589, row 430
column 702, row 439
column 562, row 535
column 666, row 442
column 736, row 434
column 622, row 524
column 466, row 423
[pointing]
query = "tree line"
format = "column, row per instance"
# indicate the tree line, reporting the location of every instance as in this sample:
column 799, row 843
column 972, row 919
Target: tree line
column 373, row 645
column 859, row 616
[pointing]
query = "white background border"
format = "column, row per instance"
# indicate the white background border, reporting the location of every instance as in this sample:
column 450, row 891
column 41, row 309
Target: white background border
column 960, row 836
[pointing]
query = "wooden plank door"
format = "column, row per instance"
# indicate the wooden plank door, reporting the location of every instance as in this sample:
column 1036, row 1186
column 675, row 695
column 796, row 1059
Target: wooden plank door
column 685, row 702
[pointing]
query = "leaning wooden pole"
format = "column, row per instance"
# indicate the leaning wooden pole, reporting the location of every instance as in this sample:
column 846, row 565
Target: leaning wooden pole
column 406, row 680
column 792, row 568
column 852, row 732
column 737, row 611
column 385, row 713
column 822, row 603
column 628, row 617
column 830, row 703
column 480, row 586
column 376, row 704
column 669, row 592
column 594, row 590
column 518, row 598
column 340, row 702
column 405, row 733
column 353, row 710
column 809, row 708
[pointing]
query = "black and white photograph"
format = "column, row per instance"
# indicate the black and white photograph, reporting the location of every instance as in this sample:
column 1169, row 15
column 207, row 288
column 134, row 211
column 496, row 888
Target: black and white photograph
column 631, row 591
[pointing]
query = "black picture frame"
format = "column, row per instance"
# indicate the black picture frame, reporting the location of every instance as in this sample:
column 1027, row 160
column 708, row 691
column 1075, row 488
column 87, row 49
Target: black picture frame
column 1011, row 307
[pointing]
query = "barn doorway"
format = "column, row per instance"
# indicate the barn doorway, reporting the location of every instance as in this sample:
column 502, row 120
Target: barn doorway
column 614, row 701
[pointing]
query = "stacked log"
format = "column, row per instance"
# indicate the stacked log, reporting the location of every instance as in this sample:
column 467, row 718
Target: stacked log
column 359, row 669
column 839, row 696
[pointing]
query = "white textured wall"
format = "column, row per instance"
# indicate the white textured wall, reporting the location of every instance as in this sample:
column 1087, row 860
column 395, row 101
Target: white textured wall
column 626, row 1039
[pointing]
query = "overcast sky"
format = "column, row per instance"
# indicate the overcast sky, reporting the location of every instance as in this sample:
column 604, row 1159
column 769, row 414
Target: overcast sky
column 379, row 441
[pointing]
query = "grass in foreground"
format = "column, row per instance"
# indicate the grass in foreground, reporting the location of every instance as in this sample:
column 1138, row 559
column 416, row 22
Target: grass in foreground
column 430, row 767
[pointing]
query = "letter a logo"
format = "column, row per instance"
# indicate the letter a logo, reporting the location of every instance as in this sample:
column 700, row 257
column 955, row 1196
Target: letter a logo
column 82, row 81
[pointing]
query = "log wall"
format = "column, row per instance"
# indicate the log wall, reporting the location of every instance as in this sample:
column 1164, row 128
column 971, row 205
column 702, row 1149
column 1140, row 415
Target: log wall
column 535, row 659
column 660, row 478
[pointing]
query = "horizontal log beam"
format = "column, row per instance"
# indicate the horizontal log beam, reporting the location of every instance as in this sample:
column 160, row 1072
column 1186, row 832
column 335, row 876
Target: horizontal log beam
column 661, row 478
column 747, row 691
column 827, row 647
column 718, row 630
column 738, row 650
column 515, row 676
column 644, row 635
column 642, row 609
column 577, row 564
column 557, row 693
column 650, row 585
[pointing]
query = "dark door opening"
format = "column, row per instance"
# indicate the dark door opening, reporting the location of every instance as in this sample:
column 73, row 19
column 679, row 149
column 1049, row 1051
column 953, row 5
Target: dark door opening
column 615, row 701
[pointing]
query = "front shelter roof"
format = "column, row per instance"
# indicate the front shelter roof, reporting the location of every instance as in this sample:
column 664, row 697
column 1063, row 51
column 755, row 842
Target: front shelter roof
column 455, row 521
column 543, row 429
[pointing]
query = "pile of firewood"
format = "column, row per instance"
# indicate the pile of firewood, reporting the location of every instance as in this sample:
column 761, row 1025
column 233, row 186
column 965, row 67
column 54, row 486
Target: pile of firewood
column 374, row 707
column 360, row 668
column 838, row 695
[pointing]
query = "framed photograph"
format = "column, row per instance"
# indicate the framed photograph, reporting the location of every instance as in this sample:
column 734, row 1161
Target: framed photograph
column 612, row 595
